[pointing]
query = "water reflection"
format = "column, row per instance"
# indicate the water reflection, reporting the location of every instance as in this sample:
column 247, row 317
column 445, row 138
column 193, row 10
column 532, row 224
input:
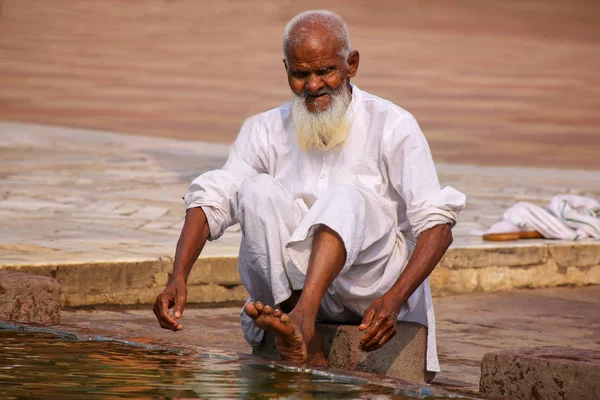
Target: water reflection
column 42, row 365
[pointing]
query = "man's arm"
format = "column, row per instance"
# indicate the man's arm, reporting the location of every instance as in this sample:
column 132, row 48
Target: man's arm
column 379, row 321
column 193, row 237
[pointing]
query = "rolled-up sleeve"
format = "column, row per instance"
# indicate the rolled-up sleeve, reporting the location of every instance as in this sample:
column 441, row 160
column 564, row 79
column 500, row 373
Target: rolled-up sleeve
column 413, row 176
column 215, row 191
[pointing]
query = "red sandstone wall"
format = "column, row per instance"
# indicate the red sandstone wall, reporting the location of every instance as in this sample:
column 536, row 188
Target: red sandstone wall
column 490, row 82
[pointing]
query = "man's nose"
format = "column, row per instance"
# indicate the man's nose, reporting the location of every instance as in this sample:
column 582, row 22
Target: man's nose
column 314, row 83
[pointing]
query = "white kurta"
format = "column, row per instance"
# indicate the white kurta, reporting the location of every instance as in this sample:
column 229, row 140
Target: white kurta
column 378, row 191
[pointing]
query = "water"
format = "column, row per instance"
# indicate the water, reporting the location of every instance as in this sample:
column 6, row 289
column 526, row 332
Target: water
column 43, row 365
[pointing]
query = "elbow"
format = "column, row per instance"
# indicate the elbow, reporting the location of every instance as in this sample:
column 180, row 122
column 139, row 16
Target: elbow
column 450, row 237
column 446, row 235
column 441, row 235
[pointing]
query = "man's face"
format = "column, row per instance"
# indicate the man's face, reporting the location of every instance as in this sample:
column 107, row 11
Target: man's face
column 316, row 71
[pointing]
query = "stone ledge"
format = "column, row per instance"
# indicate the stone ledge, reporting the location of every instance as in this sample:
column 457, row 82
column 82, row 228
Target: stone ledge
column 403, row 357
column 498, row 255
column 542, row 373
column 485, row 268
column 138, row 281
column 523, row 253
column 29, row 298
column 490, row 268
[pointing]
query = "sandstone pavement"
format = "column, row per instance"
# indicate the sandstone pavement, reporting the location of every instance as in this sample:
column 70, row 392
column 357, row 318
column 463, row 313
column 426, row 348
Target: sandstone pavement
column 102, row 212
column 490, row 82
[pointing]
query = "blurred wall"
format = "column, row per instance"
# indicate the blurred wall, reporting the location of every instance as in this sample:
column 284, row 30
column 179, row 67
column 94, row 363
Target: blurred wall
column 490, row 82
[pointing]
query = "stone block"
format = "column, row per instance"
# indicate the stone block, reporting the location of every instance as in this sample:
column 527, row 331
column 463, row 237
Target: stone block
column 219, row 270
column 542, row 373
column 29, row 298
column 403, row 357
column 579, row 255
column 484, row 256
column 213, row 293
column 127, row 282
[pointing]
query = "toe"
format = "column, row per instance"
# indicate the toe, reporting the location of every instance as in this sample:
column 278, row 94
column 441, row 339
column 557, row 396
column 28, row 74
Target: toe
column 268, row 310
column 285, row 319
column 251, row 310
column 277, row 313
column 259, row 307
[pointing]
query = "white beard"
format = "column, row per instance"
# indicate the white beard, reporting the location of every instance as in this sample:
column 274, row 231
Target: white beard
column 321, row 130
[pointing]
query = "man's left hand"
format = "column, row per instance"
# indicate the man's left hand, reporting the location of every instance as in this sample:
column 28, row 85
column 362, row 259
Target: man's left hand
column 379, row 322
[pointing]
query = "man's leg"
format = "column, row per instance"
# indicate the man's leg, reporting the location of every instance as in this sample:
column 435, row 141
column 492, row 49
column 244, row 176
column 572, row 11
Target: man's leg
column 294, row 333
column 333, row 226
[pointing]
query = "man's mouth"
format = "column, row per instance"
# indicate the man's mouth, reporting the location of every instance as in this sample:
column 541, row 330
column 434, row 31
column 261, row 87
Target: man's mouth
column 315, row 96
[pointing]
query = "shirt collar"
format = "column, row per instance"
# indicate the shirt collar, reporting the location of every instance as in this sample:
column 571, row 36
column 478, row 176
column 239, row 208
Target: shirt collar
column 354, row 103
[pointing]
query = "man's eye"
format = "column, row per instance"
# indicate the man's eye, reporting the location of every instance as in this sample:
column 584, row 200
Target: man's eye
column 299, row 74
column 325, row 71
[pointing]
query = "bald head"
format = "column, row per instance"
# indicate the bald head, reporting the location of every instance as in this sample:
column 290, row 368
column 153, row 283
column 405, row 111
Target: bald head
column 315, row 27
column 318, row 60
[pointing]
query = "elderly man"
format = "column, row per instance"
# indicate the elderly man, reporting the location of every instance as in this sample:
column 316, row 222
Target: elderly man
column 332, row 191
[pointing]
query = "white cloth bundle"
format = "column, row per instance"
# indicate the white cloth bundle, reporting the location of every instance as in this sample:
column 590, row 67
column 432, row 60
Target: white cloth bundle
column 567, row 217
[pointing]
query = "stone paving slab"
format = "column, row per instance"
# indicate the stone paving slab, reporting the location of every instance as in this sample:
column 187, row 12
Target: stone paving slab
column 549, row 372
column 81, row 197
column 472, row 325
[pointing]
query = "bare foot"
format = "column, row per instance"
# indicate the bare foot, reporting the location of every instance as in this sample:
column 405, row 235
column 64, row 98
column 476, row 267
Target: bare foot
column 288, row 336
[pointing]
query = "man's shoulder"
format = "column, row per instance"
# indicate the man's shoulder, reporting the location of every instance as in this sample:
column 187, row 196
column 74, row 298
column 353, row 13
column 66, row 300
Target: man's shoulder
column 380, row 106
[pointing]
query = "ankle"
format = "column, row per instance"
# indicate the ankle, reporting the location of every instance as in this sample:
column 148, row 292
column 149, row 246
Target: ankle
column 307, row 306
column 303, row 316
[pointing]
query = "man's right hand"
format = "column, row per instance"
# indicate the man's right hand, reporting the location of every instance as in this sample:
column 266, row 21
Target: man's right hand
column 174, row 296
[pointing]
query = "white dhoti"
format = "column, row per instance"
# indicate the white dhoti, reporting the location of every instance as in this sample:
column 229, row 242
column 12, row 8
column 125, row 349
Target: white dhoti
column 277, row 239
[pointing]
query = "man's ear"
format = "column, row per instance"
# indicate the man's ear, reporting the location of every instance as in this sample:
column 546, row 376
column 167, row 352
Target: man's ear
column 285, row 65
column 353, row 61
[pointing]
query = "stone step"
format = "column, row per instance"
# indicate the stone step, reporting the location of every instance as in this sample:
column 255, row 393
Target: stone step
column 215, row 279
column 29, row 298
column 542, row 373
column 403, row 357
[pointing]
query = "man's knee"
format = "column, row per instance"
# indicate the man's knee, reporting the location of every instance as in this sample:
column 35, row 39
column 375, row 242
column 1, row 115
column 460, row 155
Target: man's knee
column 256, row 191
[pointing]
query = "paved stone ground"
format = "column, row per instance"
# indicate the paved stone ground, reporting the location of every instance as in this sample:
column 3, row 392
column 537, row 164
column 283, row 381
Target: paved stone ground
column 468, row 326
column 71, row 196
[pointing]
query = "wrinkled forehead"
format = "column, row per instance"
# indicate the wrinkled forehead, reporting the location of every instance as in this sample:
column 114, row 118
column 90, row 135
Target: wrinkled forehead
column 314, row 48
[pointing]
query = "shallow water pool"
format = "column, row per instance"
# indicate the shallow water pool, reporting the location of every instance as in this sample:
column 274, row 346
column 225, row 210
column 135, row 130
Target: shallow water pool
column 43, row 365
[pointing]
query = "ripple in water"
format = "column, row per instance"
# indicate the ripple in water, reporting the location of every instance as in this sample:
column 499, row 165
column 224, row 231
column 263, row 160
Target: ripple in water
column 42, row 365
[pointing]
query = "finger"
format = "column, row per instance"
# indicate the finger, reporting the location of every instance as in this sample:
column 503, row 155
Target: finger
column 375, row 343
column 387, row 337
column 372, row 340
column 179, row 305
column 166, row 325
column 367, row 319
column 371, row 332
column 163, row 324
column 163, row 314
